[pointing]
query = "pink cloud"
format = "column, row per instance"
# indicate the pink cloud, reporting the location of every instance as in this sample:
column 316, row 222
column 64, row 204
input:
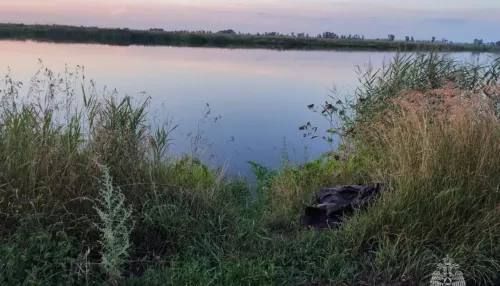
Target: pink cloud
column 374, row 18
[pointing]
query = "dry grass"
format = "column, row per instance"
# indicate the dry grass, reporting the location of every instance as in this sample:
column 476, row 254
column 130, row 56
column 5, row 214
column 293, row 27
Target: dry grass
column 447, row 122
column 439, row 153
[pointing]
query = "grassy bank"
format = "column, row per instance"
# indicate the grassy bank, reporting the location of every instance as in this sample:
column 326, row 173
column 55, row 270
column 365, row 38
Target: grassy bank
column 72, row 34
column 90, row 193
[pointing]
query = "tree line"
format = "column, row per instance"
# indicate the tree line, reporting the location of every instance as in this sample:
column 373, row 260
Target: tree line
column 331, row 35
column 228, row 38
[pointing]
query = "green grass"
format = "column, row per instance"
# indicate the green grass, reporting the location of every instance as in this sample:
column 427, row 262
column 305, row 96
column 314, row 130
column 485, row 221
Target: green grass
column 124, row 37
column 424, row 128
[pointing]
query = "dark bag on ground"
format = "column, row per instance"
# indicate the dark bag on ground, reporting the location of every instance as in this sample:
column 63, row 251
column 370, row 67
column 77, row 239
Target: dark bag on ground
column 332, row 204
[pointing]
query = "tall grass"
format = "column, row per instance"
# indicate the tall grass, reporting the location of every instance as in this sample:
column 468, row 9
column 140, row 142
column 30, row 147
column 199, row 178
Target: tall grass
column 427, row 127
column 419, row 72
column 440, row 160
column 53, row 140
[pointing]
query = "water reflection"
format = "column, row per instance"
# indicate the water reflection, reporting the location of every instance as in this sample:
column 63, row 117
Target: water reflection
column 260, row 95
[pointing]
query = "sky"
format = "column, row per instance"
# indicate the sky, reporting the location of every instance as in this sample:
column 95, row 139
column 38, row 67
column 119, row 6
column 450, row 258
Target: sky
column 455, row 20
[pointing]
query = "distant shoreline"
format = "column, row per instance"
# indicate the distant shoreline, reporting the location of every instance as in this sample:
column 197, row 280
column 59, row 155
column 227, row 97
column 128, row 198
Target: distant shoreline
column 157, row 37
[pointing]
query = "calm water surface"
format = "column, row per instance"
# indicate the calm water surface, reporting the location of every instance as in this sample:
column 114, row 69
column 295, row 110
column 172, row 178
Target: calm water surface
column 260, row 95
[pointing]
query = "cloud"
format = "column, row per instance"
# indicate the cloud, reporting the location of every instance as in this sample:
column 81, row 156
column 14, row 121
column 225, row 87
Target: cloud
column 373, row 18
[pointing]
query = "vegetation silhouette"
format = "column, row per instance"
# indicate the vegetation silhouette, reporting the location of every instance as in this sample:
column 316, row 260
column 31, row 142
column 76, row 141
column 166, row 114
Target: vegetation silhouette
column 229, row 39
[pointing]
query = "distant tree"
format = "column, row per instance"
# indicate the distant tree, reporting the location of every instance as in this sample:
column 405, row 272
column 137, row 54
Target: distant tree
column 498, row 43
column 330, row 35
column 478, row 42
column 412, row 40
column 293, row 34
column 228, row 32
column 391, row 37
column 433, row 39
column 407, row 38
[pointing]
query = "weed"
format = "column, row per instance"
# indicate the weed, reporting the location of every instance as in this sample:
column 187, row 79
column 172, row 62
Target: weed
column 115, row 227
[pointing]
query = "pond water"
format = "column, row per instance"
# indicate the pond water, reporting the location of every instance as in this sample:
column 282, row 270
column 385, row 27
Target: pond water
column 261, row 96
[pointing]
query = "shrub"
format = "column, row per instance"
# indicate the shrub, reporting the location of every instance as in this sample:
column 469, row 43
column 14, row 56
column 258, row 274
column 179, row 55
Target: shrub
column 35, row 255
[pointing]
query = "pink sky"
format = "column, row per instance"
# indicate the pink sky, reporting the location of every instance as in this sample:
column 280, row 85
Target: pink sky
column 458, row 20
